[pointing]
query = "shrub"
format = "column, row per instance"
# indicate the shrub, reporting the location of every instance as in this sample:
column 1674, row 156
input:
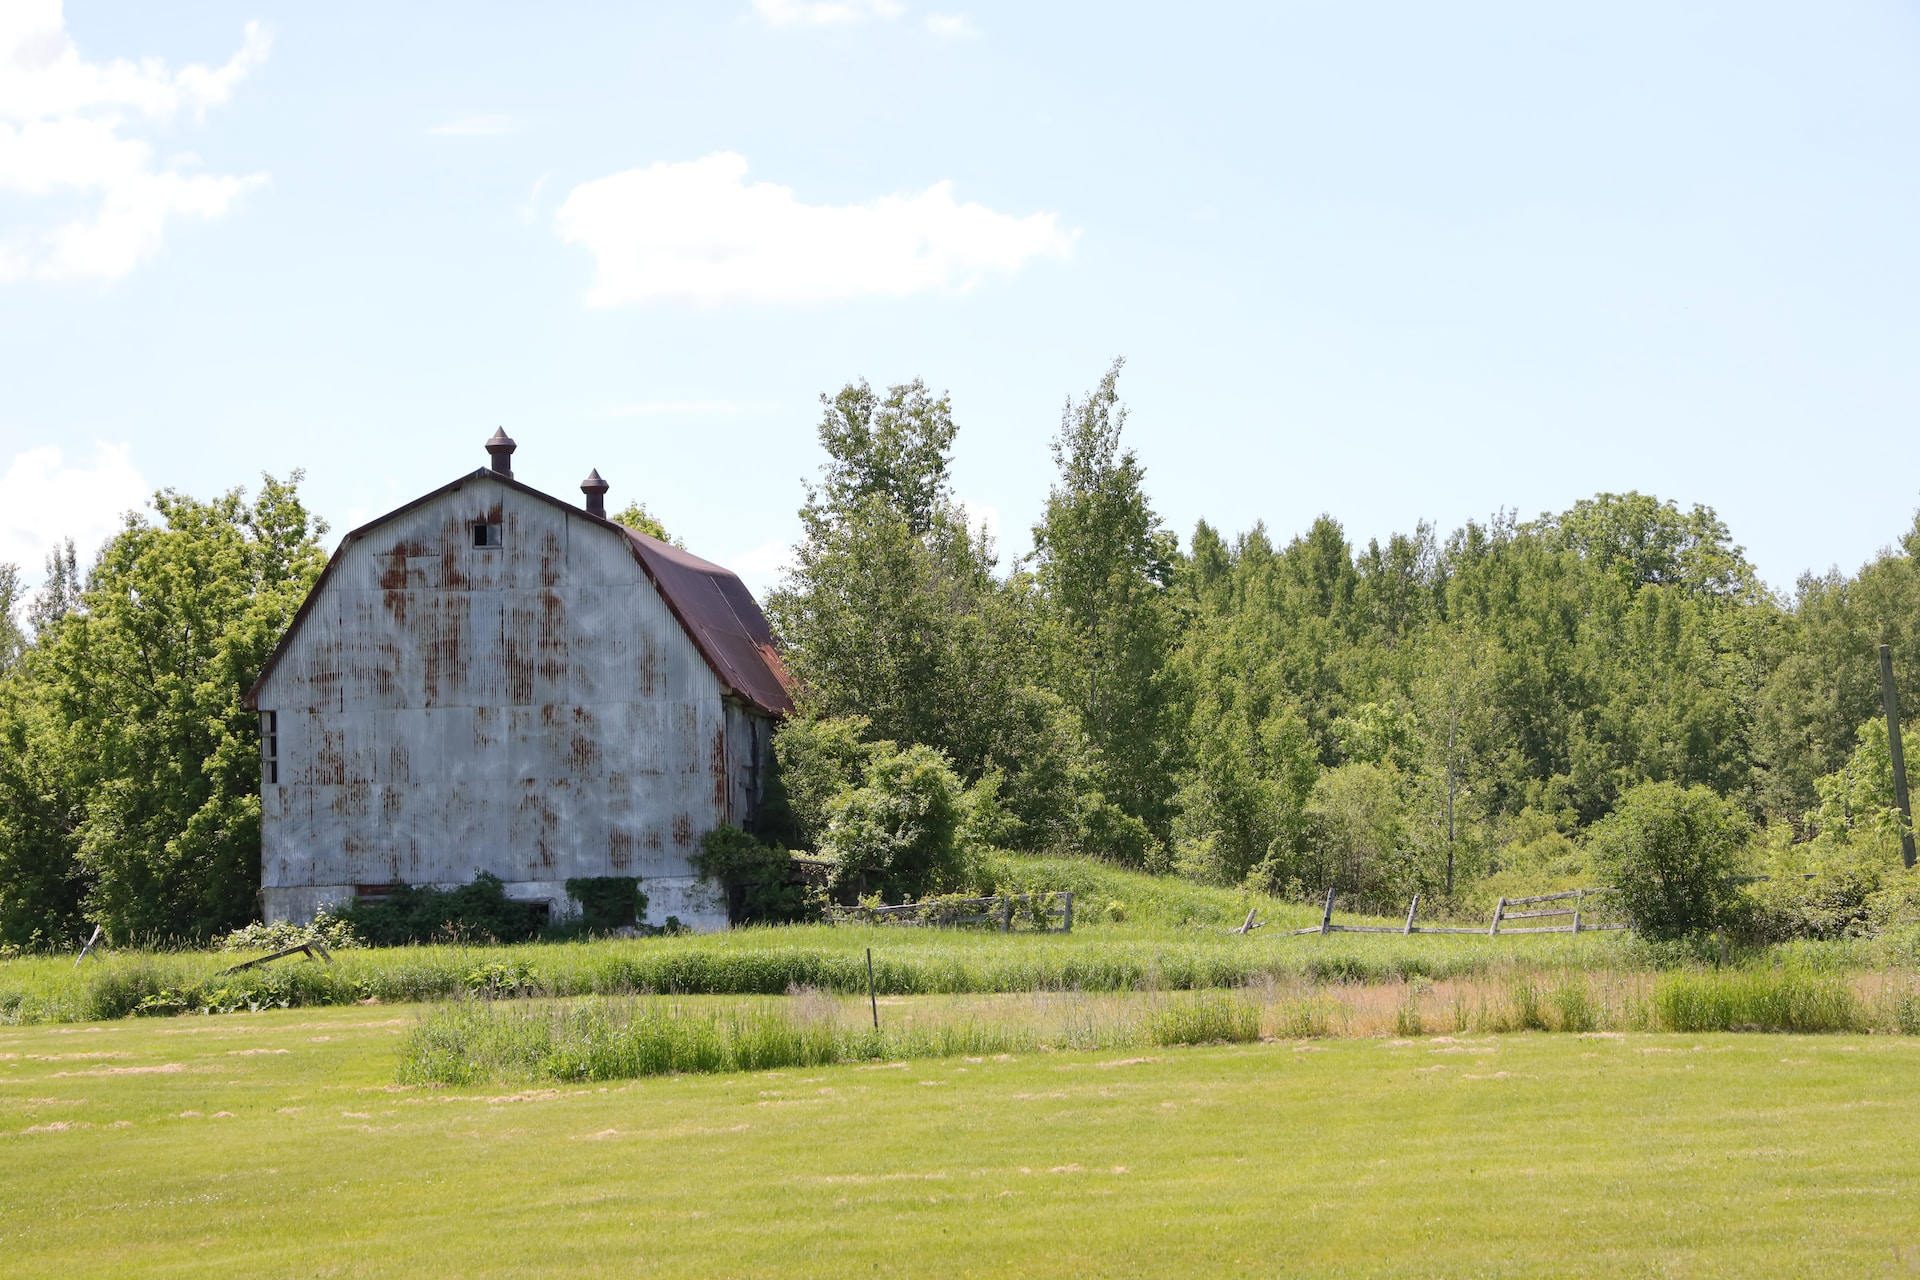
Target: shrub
column 1672, row 853
column 608, row 902
column 898, row 833
column 327, row 928
column 1837, row 903
column 477, row 912
column 818, row 759
column 1357, row 830
column 758, row 878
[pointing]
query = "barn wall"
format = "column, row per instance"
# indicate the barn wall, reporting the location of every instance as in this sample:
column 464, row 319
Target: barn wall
column 532, row 710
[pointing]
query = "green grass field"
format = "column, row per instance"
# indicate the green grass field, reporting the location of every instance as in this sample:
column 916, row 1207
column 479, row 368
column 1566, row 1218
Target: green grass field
column 277, row 1144
column 1132, row 932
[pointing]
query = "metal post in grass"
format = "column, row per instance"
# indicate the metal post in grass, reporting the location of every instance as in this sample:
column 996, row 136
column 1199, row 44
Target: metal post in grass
column 1891, row 702
column 872, row 999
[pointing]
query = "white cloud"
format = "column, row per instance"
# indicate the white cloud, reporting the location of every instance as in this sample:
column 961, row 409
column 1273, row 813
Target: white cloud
column 529, row 209
column 978, row 514
column 951, row 26
column 477, row 127
column 67, row 139
column 762, row 567
column 699, row 231
column 43, row 502
column 826, row 13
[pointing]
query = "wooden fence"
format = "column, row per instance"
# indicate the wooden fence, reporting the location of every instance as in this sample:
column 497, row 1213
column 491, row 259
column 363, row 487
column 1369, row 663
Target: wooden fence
column 1007, row 910
column 1501, row 914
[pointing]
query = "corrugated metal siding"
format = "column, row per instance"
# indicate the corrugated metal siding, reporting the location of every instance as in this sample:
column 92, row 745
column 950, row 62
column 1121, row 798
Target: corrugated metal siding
column 534, row 710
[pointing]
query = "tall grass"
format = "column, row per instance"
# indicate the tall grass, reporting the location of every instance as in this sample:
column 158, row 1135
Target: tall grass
column 620, row 1038
column 1208, row 1020
column 478, row 1039
column 1112, row 958
column 1758, row 1000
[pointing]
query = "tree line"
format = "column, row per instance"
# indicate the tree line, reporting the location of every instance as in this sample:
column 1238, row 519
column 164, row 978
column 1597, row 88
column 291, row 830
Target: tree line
column 1457, row 715
column 1454, row 715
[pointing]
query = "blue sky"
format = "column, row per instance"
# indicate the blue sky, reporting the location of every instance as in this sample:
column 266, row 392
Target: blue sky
column 1390, row 262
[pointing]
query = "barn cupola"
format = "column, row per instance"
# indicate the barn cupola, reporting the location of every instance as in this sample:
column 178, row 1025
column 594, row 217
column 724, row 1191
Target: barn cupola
column 596, row 490
column 500, row 448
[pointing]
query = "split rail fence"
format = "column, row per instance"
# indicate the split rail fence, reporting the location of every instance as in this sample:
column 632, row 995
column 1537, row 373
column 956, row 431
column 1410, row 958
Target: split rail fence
column 1007, row 910
column 1501, row 914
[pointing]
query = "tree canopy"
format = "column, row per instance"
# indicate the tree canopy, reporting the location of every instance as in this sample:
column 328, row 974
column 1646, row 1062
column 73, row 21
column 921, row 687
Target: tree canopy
column 1503, row 708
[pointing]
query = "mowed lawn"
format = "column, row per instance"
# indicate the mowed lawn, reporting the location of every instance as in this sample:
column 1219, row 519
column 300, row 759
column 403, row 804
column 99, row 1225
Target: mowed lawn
column 275, row 1145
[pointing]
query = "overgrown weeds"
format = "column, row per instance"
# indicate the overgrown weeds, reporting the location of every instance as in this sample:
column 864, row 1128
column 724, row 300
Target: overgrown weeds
column 1758, row 1000
column 479, row 1038
column 1207, row 1020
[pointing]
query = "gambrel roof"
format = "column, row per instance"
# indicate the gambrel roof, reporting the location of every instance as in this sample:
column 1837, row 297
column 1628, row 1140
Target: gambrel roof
column 710, row 602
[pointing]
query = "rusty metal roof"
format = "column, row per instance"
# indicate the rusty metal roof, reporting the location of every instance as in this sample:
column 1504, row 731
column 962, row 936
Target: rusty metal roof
column 723, row 618
column 712, row 605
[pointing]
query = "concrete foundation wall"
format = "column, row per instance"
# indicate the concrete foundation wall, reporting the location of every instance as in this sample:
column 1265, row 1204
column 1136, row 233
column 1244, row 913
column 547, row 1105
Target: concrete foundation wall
column 533, row 710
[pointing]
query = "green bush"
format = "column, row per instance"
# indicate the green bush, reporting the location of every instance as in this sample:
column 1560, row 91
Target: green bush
column 477, row 912
column 1672, row 852
column 898, row 833
column 608, row 902
column 757, row 877
column 818, row 759
column 327, row 928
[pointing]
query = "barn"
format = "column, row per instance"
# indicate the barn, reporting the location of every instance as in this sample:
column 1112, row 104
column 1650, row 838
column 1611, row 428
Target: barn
column 492, row 679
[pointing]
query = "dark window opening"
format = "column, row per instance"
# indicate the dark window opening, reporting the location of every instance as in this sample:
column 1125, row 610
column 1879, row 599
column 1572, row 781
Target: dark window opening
column 270, row 747
column 486, row 535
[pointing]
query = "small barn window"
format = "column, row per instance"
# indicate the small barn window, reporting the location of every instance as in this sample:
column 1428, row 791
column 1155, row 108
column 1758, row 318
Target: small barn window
column 270, row 747
column 486, row 535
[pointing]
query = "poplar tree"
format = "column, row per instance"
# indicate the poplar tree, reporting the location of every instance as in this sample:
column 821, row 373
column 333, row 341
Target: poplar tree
column 1103, row 564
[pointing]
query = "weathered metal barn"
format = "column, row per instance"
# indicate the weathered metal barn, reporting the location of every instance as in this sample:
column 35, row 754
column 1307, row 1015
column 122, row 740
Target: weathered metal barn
column 491, row 679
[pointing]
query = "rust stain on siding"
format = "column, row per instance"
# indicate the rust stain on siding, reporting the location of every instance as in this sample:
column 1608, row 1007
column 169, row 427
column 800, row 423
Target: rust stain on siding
column 717, row 771
column 619, row 848
column 682, row 831
column 551, row 642
column 517, row 645
column 330, row 762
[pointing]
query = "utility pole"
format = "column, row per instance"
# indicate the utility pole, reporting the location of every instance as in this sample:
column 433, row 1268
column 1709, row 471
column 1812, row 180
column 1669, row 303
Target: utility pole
column 1892, row 705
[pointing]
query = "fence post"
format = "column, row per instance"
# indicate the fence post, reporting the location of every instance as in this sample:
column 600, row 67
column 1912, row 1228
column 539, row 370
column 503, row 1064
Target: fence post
column 87, row 950
column 1498, row 910
column 1326, row 918
column 1066, row 923
column 1410, row 910
column 1006, row 913
column 1579, row 897
column 872, row 999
